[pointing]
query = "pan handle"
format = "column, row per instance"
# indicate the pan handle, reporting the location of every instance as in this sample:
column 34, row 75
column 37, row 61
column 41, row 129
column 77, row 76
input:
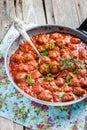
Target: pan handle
column 83, row 27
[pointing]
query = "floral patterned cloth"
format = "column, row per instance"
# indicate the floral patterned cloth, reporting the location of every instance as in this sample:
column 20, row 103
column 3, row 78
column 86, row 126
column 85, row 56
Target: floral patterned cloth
column 16, row 107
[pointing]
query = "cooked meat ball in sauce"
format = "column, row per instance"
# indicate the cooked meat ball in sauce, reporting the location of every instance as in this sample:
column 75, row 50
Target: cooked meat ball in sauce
column 60, row 75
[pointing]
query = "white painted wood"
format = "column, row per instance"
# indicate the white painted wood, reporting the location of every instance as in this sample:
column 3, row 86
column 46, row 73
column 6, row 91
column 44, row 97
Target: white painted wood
column 6, row 9
column 81, row 9
column 9, row 125
column 49, row 11
column 33, row 11
column 65, row 12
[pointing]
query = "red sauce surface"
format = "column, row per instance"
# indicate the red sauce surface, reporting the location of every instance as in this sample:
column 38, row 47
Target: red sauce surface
column 59, row 76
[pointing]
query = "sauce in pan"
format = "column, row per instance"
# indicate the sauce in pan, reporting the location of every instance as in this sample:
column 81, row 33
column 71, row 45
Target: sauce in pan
column 59, row 76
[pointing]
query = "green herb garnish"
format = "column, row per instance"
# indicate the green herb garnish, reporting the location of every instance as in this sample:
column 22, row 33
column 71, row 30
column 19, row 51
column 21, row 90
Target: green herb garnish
column 76, row 70
column 48, row 75
column 70, row 61
column 83, row 66
column 61, row 94
column 67, row 80
column 29, row 78
column 47, row 66
column 44, row 51
column 52, row 45
column 67, row 62
column 66, row 59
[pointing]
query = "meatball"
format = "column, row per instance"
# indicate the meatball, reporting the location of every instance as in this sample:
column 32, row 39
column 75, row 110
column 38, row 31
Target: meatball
column 54, row 67
column 19, row 76
column 37, row 88
column 79, row 91
column 16, row 58
column 83, row 83
column 43, row 39
column 59, row 81
column 82, row 72
column 66, row 88
column 45, row 59
column 45, row 95
column 53, row 54
column 75, row 40
column 44, row 69
column 74, row 82
column 33, row 63
column 56, row 36
column 54, row 87
column 35, row 74
column 82, row 53
column 67, row 97
column 23, row 67
column 27, row 57
column 65, row 53
column 70, row 46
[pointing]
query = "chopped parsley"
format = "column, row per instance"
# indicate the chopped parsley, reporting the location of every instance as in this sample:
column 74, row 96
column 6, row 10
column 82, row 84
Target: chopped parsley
column 52, row 45
column 48, row 75
column 47, row 66
column 83, row 66
column 68, row 77
column 44, row 51
column 29, row 78
column 76, row 70
column 61, row 94
column 70, row 62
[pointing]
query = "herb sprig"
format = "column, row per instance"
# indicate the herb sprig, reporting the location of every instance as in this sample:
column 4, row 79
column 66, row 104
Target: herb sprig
column 52, row 45
column 44, row 51
column 29, row 78
column 61, row 94
column 47, row 66
column 68, row 77
column 70, row 62
column 48, row 75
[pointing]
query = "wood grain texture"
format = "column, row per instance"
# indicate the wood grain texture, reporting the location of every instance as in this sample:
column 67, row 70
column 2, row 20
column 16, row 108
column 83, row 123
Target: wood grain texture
column 49, row 11
column 33, row 11
column 81, row 6
column 65, row 12
column 6, row 8
column 17, row 127
column 9, row 125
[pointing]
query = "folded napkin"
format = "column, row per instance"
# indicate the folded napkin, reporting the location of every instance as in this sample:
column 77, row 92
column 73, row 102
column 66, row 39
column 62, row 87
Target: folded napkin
column 16, row 107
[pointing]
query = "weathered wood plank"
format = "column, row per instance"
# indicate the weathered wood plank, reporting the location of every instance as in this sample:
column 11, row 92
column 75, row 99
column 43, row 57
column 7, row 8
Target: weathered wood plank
column 65, row 12
column 49, row 11
column 17, row 127
column 19, row 8
column 9, row 125
column 6, row 8
column 33, row 11
column 81, row 6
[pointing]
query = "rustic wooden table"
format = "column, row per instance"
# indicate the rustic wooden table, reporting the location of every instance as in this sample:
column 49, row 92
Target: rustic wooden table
column 67, row 12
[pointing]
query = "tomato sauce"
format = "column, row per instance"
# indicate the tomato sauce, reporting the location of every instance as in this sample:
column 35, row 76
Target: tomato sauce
column 59, row 76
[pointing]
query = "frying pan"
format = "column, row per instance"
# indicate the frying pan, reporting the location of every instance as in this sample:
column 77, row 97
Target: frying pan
column 80, row 32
